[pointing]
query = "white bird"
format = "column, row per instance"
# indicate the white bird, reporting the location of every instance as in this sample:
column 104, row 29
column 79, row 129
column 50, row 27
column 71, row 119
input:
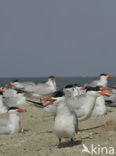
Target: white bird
column 111, row 101
column 65, row 123
column 100, row 107
column 11, row 97
column 103, row 81
column 12, row 124
column 3, row 107
column 83, row 105
column 40, row 89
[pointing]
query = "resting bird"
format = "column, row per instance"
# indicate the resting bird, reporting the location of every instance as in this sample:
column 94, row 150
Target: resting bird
column 103, row 81
column 12, row 124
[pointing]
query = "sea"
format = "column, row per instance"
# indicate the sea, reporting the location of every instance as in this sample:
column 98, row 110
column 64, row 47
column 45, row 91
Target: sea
column 60, row 81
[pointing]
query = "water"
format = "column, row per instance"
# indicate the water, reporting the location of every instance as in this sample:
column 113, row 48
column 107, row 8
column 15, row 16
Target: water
column 60, row 81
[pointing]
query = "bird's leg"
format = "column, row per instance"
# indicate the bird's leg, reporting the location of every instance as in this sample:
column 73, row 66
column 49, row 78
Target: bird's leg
column 59, row 141
column 59, row 145
column 71, row 140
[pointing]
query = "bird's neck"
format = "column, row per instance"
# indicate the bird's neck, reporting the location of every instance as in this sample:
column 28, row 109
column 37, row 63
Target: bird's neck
column 62, row 109
column 103, row 81
column 51, row 83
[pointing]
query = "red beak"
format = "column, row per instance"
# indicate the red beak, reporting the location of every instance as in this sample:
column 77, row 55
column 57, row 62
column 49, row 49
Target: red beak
column 50, row 103
column 110, row 76
column 9, row 84
column 106, row 88
column 105, row 93
column 82, row 88
column 47, row 99
column 20, row 110
column 25, row 94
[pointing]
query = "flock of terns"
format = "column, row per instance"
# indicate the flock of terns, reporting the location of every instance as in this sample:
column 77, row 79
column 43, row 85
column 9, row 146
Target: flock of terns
column 68, row 105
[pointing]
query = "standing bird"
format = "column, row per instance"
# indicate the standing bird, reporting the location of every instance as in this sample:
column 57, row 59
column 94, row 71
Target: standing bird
column 12, row 124
column 100, row 107
column 65, row 122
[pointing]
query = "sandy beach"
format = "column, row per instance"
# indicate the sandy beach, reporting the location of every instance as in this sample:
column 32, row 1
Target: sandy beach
column 38, row 139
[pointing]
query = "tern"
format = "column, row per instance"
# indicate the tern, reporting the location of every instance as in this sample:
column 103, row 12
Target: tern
column 65, row 123
column 103, row 81
column 83, row 105
column 12, row 124
column 12, row 97
column 39, row 89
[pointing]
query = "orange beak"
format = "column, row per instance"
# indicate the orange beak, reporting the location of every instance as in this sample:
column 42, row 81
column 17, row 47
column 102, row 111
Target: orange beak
column 20, row 110
column 25, row 94
column 50, row 103
column 105, row 93
column 82, row 88
column 110, row 76
column 46, row 99
column 106, row 88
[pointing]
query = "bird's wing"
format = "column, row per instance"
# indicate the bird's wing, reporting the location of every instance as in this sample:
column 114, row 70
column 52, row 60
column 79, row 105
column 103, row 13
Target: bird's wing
column 4, row 122
column 4, row 130
column 92, row 84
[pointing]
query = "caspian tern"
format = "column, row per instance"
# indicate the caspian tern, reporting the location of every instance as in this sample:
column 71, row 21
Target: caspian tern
column 100, row 107
column 83, row 105
column 65, row 123
column 111, row 101
column 3, row 107
column 11, row 97
column 103, row 81
column 40, row 89
column 12, row 124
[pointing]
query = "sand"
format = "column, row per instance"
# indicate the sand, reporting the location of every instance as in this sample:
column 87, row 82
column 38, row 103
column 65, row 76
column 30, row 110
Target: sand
column 38, row 139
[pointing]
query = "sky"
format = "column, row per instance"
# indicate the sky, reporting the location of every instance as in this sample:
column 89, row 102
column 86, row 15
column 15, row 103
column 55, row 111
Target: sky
column 57, row 37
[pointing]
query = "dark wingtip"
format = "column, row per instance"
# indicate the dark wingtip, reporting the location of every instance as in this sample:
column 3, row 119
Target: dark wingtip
column 58, row 93
column 88, row 88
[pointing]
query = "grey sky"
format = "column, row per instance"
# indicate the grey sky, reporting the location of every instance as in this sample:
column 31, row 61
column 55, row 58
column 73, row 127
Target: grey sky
column 58, row 37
